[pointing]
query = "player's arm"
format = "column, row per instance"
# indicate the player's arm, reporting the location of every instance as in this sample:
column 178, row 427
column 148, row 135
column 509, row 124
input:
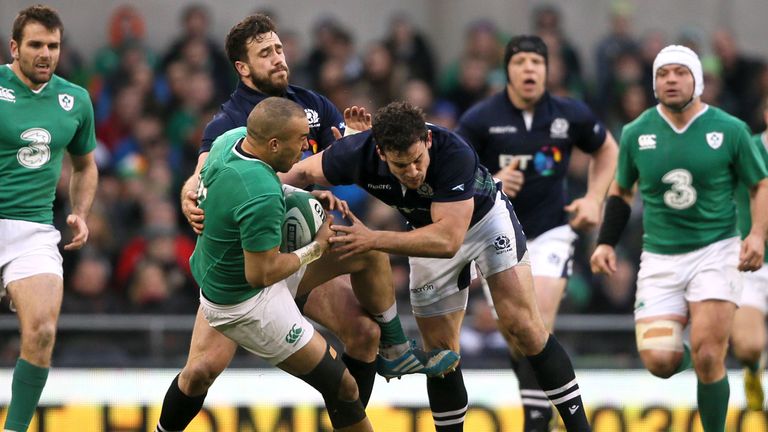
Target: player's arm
column 440, row 239
column 307, row 172
column 753, row 247
column 263, row 269
column 602, row 167
column 618, row 208
column 192, row 212
column 82, row 188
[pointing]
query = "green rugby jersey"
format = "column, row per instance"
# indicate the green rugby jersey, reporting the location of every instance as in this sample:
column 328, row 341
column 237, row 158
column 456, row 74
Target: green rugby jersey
column 244, row 210
column 687, row 177
column 35, row 129
column 760, row 141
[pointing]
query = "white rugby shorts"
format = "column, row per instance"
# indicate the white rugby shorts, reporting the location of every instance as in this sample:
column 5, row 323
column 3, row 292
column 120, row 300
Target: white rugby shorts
column 268, row 324
column 27, row 249
column 495, row 243
column 755, row 289
column 666, row 283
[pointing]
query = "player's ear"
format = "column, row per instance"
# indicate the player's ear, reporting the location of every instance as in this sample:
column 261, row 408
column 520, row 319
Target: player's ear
column 242, row 69
column 380, row 153
column 14, row 48
column 429, row 139
column 273, row 144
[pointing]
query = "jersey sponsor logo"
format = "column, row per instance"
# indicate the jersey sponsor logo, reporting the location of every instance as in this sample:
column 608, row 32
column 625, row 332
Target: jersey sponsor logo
column 313, row 118
column 294, row 334
column 647, row 142
column 559, row 128
column 546, row 160
column 499, row 130
column 7, row 95
column 425, row 190
column 372, row 186
column 458, row 188
column 506, row 159
column 715, row 139
column 38, row 151
column 66, row 101
column 681, row 193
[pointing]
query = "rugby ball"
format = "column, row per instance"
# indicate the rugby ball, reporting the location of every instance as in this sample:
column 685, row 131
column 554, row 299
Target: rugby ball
column 304, row 215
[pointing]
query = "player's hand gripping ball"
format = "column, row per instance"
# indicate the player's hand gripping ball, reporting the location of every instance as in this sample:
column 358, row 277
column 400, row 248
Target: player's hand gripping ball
column 304, row 215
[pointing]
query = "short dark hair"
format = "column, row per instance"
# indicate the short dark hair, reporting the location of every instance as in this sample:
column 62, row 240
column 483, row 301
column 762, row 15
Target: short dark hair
column 244, row 32
column 397, row 126
column 45, row 15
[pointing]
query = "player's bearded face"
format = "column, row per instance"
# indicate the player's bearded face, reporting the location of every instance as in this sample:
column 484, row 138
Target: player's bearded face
column 674, row 86
column 266, row 64
column 37, row 53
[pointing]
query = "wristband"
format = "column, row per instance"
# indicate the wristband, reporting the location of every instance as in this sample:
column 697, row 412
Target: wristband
column 349, row 131
column 615, row 218
column 309, row 253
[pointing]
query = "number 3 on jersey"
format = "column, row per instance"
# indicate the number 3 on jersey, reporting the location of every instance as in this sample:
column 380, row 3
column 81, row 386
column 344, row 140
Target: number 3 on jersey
column 38, row 152
column 682, row 194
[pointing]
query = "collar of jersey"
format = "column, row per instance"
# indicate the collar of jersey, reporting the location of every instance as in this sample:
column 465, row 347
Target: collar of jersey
column 540, row 105
column 685, row 128
column 237, row 149
column 38, row 91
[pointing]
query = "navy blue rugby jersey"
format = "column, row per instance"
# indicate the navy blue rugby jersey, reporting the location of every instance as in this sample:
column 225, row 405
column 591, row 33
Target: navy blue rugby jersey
column 454, row 174
column 496, row 129
column 321, row 114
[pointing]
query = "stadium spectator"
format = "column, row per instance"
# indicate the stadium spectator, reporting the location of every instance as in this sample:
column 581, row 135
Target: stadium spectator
column 739, row 74
column 547, row 24
column 410, row 49
column 196, row 47
column 619, row 41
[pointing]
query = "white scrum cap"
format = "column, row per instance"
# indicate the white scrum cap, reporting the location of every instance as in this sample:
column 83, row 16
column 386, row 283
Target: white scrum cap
column 678, row 54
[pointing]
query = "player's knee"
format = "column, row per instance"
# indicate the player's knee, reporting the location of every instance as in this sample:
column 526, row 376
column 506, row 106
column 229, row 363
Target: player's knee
column 525, row 335
column 375, row 261
column 331, row 378
column 745, row 347
column 708, row 356
column 41, row 336
column 660, row 364
column 198, row 376
column 660, row 344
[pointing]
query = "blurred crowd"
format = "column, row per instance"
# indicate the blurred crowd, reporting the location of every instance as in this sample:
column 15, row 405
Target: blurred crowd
column 151, row 107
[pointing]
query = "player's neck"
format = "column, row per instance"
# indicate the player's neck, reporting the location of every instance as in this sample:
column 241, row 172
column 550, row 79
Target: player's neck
column 250, row 149
column 520, row 103
column 681, row 118
column 16, row 68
